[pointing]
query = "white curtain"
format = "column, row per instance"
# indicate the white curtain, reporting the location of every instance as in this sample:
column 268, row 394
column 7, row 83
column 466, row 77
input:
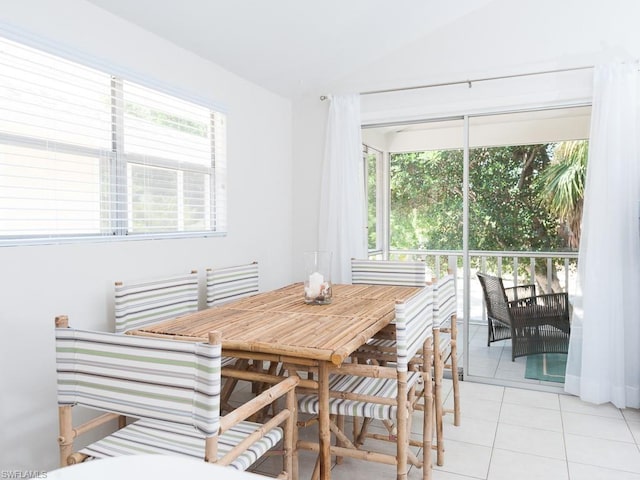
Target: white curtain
column 604, row 351
column 342, row 218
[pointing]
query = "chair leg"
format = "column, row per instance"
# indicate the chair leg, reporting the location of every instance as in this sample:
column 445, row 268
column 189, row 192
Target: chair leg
column 230, row 385
column 65, row 439
column 403, row 436
column 454, row 372
column 316, row 469
column 438, row 372
column 340, row 443
column 427, row 418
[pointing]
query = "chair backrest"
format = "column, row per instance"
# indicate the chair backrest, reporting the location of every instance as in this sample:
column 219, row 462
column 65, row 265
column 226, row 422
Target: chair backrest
column 445, row 304
column 142, row 303
column 495, row 297
column 388, row 272
column 141, row 377
column 230, row 283
column 414, row 325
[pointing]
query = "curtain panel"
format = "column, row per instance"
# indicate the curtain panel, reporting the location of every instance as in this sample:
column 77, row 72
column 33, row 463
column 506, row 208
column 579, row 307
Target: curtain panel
column 604, row 352
column 342, row 216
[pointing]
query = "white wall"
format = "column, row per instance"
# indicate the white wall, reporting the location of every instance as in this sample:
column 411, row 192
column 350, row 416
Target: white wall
column 503, row 38
column 39, row 282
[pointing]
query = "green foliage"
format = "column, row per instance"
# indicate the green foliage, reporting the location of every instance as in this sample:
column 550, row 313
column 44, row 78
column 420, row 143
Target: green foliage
column 505, row 212
column 426, row 200
column 562, row 186
column 169, row 120
column 372, row 201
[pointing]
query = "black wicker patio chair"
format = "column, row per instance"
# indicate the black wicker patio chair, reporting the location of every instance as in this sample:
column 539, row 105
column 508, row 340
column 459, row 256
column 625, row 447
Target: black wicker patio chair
column 534, row 323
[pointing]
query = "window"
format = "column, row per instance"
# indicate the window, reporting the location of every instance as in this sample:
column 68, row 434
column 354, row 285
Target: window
column 86, row 154
column 372, row 160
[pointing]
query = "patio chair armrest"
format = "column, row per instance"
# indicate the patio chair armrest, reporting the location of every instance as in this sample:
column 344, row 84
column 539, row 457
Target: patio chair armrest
column 548, row 309
column 286, row 386
column 557, row 301
column 519, row 292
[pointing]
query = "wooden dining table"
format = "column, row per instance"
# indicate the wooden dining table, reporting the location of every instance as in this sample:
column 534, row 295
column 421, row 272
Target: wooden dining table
column 279, row 326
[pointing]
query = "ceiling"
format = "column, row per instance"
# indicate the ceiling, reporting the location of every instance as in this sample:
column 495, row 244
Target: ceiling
column 291, row 46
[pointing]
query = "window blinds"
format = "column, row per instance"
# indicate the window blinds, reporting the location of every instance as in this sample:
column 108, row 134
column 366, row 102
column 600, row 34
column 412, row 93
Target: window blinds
column 85, row 154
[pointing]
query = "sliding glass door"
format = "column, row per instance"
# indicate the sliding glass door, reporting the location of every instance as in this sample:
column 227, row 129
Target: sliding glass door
column 484, row 193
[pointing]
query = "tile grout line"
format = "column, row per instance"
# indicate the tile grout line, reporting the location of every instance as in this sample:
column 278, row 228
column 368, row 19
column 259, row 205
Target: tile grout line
column 564, row 440
column 495, row 436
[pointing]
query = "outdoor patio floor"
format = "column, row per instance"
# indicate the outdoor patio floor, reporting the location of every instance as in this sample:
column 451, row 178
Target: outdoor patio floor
column 494, row 362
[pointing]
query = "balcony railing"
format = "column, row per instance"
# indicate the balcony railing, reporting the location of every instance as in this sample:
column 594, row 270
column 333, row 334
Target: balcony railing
column 550, row 271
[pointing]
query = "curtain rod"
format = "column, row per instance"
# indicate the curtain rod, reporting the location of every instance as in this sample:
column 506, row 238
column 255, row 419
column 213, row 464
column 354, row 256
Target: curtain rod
column 469, row 82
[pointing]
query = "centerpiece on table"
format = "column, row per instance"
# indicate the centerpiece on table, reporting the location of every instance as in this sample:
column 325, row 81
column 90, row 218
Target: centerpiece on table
column 317, row 283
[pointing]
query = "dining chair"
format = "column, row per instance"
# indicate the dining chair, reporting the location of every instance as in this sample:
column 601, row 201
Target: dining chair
column 230, row 283
column 385, row 393
column 224, row 285
column 389, row 272
column 445, row 334
column 144, row 302
column 172, row 390
column 386, row 272
column 381, row 348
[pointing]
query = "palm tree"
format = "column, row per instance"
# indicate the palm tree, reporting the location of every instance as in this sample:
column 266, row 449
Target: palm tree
column 563, row 183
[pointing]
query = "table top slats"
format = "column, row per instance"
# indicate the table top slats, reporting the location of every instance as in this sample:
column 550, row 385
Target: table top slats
column 280, row 323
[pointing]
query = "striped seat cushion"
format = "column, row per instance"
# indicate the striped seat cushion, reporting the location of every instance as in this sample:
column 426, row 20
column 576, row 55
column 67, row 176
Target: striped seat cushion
column 386, row 272
column 226, row 284
column 379, row 387
column 382, row 343
column 146, row 302
column 153, row 437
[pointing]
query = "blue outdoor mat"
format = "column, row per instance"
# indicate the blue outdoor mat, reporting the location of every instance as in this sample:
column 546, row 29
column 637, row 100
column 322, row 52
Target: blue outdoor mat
column 549, row 367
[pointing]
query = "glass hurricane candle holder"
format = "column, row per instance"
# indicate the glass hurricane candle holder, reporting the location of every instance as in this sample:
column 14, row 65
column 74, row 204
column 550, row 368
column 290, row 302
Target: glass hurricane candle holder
column 317, row 283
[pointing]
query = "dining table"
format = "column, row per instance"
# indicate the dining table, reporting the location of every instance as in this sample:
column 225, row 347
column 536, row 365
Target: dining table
column 278, row 326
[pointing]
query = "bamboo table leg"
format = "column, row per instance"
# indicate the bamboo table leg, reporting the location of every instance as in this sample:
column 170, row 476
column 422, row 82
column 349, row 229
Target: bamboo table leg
column 323, row 422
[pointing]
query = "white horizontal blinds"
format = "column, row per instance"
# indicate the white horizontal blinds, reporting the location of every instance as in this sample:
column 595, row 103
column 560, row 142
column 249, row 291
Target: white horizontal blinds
column 54, row 144
column 85, row 153
column 169, row 148
column 219, row 183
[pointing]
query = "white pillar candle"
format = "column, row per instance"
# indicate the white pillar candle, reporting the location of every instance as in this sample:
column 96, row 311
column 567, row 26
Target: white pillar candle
column 315, row 284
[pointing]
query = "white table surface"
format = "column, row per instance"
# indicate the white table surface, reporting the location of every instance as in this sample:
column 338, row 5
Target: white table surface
column 157, row 467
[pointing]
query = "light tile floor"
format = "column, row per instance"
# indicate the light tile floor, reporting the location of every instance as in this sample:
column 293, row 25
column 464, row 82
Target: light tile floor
column 511, row 433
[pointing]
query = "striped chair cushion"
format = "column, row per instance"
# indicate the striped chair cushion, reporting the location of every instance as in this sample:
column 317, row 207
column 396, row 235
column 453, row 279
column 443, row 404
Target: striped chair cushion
column 445, row 304
column 226, row 284
column 414, row 325
column 146, row 302
column 383, row 388
column 153, row 437
column 386, row 272
column 137, row 376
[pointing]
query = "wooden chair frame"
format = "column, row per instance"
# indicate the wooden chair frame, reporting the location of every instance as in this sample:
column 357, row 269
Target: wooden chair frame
column 224, row 285
column 445, row 333
column 381, row 349
column 107, row 398
column 409, row 394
